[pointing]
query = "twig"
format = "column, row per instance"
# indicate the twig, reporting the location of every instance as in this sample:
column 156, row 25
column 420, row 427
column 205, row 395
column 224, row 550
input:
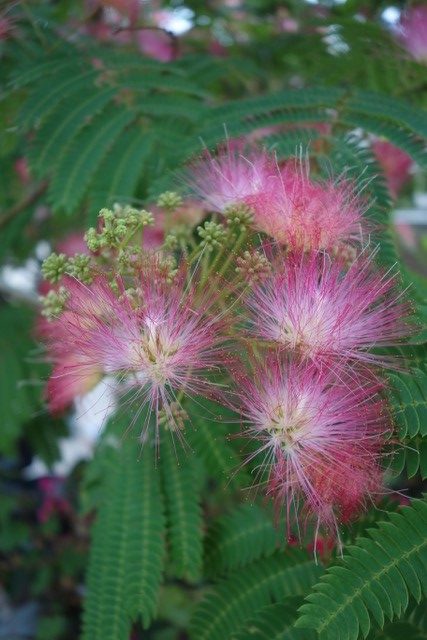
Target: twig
column 23, row 204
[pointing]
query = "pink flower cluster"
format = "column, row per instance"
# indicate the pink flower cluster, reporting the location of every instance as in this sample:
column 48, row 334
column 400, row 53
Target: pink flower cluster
column 313, row 395
column 294, row 350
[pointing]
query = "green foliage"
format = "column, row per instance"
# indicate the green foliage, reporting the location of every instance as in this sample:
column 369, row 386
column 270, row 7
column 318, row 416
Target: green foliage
column 408, row 396
column 375, row 579
column 125, row 569
column 182, row 491
column 233, row 600
column 21, row 373
column 208, row 434
column 245, row 535
column 275, row 622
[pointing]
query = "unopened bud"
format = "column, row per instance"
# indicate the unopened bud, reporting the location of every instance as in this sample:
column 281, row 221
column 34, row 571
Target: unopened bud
column 54, row 267
column 253, row 266
column 169, row 200
column 212, row 234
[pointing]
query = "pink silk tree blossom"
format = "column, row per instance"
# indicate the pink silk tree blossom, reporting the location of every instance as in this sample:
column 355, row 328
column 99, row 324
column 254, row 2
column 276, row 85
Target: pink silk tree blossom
column 312, row 306
column 160, row 339
column 320, row 437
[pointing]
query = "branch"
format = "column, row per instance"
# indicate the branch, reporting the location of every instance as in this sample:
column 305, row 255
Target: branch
column 9, row 214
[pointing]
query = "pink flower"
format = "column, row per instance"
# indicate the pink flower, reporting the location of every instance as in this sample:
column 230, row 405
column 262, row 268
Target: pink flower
column 310, row 305
column 161, row 338
column 231, row 178
column 286, row 203
column 309, row 215
column 53, row 500
column 320, row 437
column 413, row 32
column 395, row 164
column 157, row 44
column 76, row 371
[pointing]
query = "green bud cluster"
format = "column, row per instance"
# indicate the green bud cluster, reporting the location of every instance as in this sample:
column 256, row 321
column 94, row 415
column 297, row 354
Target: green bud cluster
column 239, row 217
column 212, row 234
column 80, row 266
column 178, row 237
column 54, row 267
column 134, row 217
column 169, row 200
column 170, row 268
column 54, row 303
column 129, row 259
column 171, row 242
column 254, row 266
column 118, row 223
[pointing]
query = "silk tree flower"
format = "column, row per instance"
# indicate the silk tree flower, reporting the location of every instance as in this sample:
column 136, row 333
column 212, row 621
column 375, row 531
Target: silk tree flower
column 286, row 203
column 320, row 437
column 160, row 338
column 395, row 163
column 312, row 306
column 76, row 371
column 413, row 32
column 232, row 178
column 309, row 215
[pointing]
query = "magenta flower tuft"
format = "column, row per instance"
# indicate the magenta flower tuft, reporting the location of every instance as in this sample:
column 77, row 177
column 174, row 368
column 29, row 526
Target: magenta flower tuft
column 395, row 163
column 320, row 437
column 413, row 32
column 312, row 306
column 307, row 215
column 232, row 178
column 160, row 338
column 286, row 203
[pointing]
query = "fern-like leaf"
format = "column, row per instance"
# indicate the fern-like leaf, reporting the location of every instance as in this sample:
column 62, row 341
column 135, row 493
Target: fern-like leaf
column 181, row 484
column 226, row 608
column 241, row 537
column 90, row 147
column 58, row 131
column 127, row 553
column 408, row 395
column 118, row 175
column 274, row 622
column 208, row 435
column 408, row 399
column 374, row 580
column 49, row 93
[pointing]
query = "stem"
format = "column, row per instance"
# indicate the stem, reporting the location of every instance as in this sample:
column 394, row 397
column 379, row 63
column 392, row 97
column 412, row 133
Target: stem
column 239, row 242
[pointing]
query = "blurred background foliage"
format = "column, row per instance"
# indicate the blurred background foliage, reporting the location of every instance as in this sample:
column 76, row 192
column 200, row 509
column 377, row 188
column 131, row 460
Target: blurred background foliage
column 102, row 102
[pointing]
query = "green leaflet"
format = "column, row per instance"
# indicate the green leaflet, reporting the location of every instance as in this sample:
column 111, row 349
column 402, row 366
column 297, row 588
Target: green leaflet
column 118, row 175
column 228, row 605
column 182, row 488
column 75, row 170
column 275, row 622
column 20, row 372
column 408, row 399
column 127, row 553
column 57, row 133
column 208, row 434
column 245, row 535
column 374, row 580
